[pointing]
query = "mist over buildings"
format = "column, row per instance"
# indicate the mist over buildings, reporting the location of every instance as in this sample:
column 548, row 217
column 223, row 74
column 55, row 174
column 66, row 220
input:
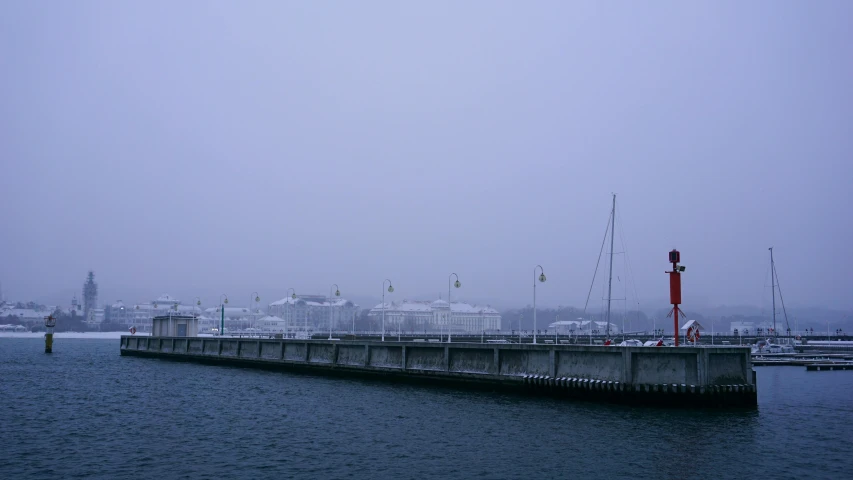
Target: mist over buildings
column 200, row 148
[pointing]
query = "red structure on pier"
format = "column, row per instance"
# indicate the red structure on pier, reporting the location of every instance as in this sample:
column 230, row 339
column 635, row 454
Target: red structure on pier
column 675, row 288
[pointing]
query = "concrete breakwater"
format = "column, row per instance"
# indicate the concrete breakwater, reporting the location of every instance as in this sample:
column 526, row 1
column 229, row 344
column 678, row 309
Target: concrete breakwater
column 684, row 376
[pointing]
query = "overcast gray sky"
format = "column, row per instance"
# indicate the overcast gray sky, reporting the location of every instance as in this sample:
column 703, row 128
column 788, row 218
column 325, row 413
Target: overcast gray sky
column 200, row 147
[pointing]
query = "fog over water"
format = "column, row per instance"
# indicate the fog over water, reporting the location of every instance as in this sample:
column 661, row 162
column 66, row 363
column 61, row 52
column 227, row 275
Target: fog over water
column 199, row 148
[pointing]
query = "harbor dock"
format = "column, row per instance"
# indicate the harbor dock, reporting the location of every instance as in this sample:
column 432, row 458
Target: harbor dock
column 683, row 376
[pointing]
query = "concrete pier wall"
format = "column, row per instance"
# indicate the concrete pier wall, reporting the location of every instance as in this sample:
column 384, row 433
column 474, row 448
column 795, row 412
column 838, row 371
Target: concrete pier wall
column 684, row 376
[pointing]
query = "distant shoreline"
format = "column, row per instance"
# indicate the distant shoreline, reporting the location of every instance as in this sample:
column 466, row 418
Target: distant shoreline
column 69, row 335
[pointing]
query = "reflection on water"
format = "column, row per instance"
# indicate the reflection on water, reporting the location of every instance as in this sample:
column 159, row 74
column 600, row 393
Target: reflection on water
column 106, row 416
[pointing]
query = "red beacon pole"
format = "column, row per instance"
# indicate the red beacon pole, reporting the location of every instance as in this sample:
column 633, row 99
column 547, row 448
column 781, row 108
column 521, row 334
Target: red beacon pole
column 675, row 288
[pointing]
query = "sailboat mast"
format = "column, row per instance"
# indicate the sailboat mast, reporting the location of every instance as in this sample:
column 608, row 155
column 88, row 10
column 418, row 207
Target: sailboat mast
column 610, row 279
column 773, row 287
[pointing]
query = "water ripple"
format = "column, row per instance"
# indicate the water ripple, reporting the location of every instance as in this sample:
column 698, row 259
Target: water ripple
column 86, row 412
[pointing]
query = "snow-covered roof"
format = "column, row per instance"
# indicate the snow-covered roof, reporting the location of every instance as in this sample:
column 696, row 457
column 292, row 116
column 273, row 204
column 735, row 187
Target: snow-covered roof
column 118, row 304
column 271, row 318
column 690, row 323
column 229, row 310
column 284, row 301
column 166, row 298
column 467, row 308
column 426, row 307
column 341, row 302
column 23, row 312
column 164, row 307
column 565, row 323
column 583, row 324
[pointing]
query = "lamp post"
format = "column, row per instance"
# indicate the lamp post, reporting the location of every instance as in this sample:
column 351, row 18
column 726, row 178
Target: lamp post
column 253, row 298
column 541, row 279
column 390, row 290
column 456, row 284
column 520, row 318
column 290, row 310
column 153, row 314
column 222, row 313
column 196, row 304
column 337, row 294
column 556, row 328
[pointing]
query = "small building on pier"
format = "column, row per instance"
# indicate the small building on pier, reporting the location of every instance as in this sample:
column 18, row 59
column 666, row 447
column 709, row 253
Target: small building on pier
column 175, row 326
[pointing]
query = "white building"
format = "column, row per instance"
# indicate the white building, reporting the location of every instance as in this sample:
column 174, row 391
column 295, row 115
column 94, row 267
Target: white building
column 119, row 313
column 96, row 317
column 141, row 315
column 742, row 328
column 270, row 324
column 415, row 316
column 25, row 315
column 313, row 312
column 76, row 308
column 583, row 327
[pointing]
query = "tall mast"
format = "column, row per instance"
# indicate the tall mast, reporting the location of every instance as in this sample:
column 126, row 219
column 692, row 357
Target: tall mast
column 610, row 279
column 773, row 287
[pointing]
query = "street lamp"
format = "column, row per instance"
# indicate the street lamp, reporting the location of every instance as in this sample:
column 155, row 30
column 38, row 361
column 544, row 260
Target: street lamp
column 337, row 294
column 222, row 304
column 290, row 310
column 175, row 308
column 353, row 324
column 153, row 314
column 390, row 290
column 556, row 328
column 541, row 279
column 256, row 298
column 520, row 318
column 456, row 284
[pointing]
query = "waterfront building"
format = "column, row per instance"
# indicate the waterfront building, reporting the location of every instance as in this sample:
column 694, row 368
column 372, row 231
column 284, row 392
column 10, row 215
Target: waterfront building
column 425, row 316
column 117, row 313
column 237, row 319
column 95, row 317
column 583, row 327
column 26, row 316
column 270, row 324
column 312, row 312
column 742, row 328
column 141, row 315
column 76, row 308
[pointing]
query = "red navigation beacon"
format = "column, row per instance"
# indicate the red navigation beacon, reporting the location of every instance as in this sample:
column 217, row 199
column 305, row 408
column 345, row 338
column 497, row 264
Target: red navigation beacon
column 675, row 288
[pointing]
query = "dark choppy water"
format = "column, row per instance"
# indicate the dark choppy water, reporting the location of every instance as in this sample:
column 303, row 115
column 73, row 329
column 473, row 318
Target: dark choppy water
column 84, row 411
